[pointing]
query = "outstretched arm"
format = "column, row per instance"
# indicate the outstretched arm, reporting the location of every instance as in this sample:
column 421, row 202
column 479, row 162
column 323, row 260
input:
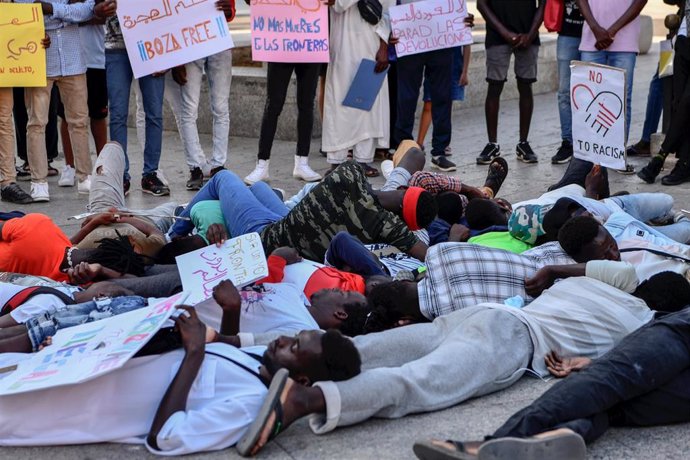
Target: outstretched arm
column 562, row 367
column 230, row 301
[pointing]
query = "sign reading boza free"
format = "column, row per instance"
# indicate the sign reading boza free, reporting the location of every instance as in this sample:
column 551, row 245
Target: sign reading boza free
column 22, row 56
column 597, row 100
column 162, row 34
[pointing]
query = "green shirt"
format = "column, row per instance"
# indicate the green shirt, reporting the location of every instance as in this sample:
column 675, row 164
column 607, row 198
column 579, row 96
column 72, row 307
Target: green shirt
column 206, row 213
column 500, row 240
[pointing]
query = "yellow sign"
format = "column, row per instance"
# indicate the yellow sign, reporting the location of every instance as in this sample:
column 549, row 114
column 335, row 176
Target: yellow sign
column 22, row 56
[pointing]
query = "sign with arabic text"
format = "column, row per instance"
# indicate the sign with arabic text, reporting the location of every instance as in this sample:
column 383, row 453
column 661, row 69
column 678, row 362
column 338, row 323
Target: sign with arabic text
column 289, row 30
column 87, row 351
column 22, row 56
column 597, row 101
column 162, row 34
column 241, row 260
column 429, row 25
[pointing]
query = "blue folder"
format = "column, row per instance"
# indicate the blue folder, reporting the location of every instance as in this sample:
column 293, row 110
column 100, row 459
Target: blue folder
column 365, row 87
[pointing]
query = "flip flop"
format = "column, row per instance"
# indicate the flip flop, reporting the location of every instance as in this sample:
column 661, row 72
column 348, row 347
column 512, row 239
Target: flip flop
column 561, row 444
column 496, row 176
column 272, row 405
column 370, row 171
column 430, row 450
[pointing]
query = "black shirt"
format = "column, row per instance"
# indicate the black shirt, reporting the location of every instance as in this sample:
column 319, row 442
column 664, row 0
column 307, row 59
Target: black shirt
column 516, row 15
column 572, row 20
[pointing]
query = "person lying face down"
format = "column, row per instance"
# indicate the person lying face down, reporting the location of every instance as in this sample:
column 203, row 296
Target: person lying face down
column 144, row 402
column 431, row 366
column 343, row 200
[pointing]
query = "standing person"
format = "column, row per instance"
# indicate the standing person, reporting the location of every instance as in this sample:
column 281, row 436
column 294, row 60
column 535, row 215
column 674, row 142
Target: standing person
column 461, row 64
column 567, row 50
column 347, row 128
column 119, row 77
column 67, row 71
column 92, row 34
column 512, row 29
column 218, row 70
column 677, row 139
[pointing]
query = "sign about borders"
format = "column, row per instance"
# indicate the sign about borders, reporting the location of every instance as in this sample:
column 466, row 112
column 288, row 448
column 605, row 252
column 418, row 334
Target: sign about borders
column 87, row 351
column 172, row 33
column 429, row 25
column 22, row 56
column 289, row 30
column 241, row 260
column 597, row 100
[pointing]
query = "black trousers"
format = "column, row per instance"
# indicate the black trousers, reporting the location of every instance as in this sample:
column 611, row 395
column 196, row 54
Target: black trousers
column 644, row 381
column 21, row 118
column 277, row 83
column 678, row 135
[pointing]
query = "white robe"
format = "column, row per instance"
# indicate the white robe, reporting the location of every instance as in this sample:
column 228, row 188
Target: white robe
column 351, row 40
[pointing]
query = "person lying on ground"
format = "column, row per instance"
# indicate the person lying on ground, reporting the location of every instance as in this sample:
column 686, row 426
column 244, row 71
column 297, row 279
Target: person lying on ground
column 642, row 382
column 427, row 367
column 144, row 402
column 342, row 201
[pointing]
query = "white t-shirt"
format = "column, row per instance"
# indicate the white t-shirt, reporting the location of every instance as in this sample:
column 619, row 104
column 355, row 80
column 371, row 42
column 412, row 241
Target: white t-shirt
column 601, row 209
column 580, row 317
column 35, row 305
column 275, row 307
column 223, row 401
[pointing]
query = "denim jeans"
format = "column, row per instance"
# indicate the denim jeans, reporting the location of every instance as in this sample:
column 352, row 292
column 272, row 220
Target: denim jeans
column 46, row 325
column 246, row 209
column 119, row 76
column 436, row 66
column 655, row 105
column 652, row 206
column 277, row 83
column 641, row 382
column 622, row 60
column 346, row 252
column 218, row 68
column 567, row 50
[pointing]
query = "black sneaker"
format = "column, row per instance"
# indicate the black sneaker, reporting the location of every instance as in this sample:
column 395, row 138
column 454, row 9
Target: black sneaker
column 126, row 184
column 649, row 172
column 443, row 163
column 14, row 194
column 490, row 152
column 564, row 153
column 216, row 170
column 525, row 153
column 196, row 179
column 152, row 185
column 679, row 174
column 24, row 172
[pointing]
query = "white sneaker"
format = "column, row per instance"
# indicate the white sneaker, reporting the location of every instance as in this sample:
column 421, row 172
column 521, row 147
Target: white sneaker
column 303, row 171
column 260, row 173
column 387, row 168
column 84, row 186
column 39, row 191
column 67, row 176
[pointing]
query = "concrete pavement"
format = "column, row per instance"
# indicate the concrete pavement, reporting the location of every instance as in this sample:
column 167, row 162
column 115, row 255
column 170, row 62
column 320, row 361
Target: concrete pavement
column 392, row 439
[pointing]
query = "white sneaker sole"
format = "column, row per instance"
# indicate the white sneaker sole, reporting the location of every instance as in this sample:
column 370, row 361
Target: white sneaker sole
column 40, row 199
column 561, row 446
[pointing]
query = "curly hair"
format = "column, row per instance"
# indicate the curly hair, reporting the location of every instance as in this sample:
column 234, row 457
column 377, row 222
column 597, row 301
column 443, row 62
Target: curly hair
column 577, row 233
column 665, row 292
column 427, row 208
column 118, row 254
column 341, row 359
column 357, row 313
column 384, row 301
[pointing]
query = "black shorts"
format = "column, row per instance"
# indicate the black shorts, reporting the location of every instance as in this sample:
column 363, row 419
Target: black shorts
column 97, row 99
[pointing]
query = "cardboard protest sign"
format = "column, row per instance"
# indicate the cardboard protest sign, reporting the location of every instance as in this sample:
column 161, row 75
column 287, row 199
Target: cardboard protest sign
column 429, row 25
column 597, row 100
column 289, row 30
column 22, row 56
column 90, row 350
column 162, row 34
column 241, row 260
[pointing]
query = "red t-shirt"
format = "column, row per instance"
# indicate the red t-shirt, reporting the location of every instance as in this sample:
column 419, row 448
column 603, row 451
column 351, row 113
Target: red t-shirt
column 33, row 245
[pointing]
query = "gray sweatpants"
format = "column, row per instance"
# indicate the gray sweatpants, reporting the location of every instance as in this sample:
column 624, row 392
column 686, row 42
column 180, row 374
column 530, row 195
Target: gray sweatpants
column 427, row 367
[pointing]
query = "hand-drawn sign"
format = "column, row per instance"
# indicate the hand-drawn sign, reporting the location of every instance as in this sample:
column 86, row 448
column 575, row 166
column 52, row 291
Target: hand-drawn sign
column 597, row 95
column 172, row 34
column 429, row 25
column 22, row 57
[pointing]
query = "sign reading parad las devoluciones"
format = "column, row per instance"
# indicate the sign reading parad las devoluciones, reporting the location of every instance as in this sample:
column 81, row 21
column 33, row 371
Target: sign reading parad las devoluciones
column 162, row 34
column 22, row 56
column 289, row 30
column 597, row 100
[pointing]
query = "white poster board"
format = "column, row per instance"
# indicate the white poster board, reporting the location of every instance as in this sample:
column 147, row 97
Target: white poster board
column 429, row 25
column 87, row 351
column 241, row 260
column 162, row 34
column 597, row 100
